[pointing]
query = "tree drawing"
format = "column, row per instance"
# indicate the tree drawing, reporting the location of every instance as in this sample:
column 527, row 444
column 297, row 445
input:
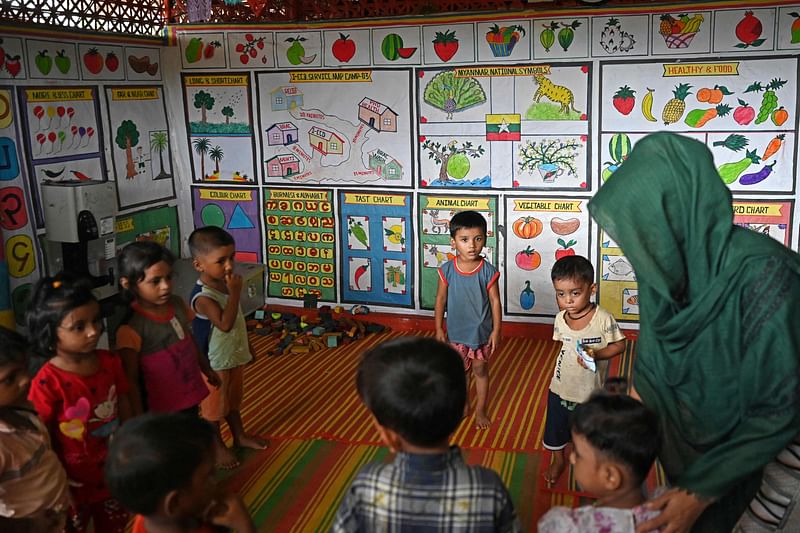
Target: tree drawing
column 227, row 111
column 216, row 154
column 127, row 138
column 158, row 143
column 451, row 158
column 201, row 146
column 204, row 102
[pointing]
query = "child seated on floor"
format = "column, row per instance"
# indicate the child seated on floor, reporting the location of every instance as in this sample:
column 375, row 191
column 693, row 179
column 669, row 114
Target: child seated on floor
column 615, row 441
column 416, row 389
column 161, row 467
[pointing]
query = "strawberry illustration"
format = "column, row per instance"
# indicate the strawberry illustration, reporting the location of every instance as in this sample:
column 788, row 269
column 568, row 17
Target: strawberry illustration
column 93, row 61
column 208, row 53
column 624, row 99
column 112, row 62
column 445, row 45
column 13, row 65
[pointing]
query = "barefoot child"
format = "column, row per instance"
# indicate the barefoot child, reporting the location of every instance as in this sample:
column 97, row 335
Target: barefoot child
column 219, row 327
column 468, row 291
column 580, row 326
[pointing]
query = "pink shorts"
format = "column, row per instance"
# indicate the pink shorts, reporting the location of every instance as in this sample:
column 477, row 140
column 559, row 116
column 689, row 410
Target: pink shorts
column 468, row 354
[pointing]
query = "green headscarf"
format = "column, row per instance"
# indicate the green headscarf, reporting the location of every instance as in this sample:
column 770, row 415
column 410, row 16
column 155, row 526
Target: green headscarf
column 719, row 345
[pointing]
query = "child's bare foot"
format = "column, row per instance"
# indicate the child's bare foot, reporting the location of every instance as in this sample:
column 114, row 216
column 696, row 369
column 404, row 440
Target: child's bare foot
column 225, row 458
column 481, row 420
column 554, row 470
column 251, row 441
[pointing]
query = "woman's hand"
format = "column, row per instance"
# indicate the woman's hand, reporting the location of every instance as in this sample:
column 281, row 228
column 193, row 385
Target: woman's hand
column 679, row 511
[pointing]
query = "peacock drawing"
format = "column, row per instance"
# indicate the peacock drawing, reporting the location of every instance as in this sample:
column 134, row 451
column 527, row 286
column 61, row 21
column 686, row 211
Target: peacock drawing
column 451, row 94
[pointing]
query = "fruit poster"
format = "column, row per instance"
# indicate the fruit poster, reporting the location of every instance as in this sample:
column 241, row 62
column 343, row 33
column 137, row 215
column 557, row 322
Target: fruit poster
column 220, row 127
column 141, row 151
column 505, row 127
column 237, row 211
column 12, row 64
column 63, row 135
column 342, row 127
column 202, row 51
column 435, row 212
column 301, row 243
column 159, row 224
column 538, row 232
column 376, row 253
column 101, row 62
column 52, row 60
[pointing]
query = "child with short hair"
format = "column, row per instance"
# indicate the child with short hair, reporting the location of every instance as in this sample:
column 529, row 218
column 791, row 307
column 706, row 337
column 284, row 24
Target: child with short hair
column 581, row 326
column 162, row 361
column 615, row 442
column 161, row 467
column 416, row 389
column 468, row 290
column 34, row 496
column 220, row 329
column 80, row 393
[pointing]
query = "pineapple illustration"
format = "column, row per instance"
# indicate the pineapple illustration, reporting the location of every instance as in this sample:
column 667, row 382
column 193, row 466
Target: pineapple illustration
column 665, row 28
column 675, row 107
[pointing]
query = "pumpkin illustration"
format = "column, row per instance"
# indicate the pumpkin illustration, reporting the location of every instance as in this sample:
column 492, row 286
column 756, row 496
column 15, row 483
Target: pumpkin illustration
column 527, row 227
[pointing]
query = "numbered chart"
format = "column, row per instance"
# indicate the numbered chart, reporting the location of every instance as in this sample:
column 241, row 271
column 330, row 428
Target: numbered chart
column 301, row 251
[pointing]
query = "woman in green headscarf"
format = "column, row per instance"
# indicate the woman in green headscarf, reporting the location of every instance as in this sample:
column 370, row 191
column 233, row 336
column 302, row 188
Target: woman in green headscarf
column 719, row 344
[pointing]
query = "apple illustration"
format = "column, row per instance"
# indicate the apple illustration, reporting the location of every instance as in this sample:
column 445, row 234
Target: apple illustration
column 343, row 48
column 566, row 248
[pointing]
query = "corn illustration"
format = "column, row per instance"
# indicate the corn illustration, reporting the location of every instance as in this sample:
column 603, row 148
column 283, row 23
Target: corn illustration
column 675, row 107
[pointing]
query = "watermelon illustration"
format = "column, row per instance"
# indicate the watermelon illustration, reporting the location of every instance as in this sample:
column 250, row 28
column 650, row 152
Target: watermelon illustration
column 391, row 45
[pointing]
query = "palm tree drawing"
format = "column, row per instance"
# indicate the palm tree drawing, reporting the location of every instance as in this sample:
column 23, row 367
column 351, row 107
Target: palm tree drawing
column 158, row 143
column 216, row 154
column 201, row 146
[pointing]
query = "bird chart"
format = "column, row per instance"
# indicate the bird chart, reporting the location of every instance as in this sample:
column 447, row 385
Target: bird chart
column 220, row 127
column 744, row 110
column 435, row 212
column 63, row 136
column 301, row 243
column 140, row 147
column 505, row 127
column 376, row 236
column 539, row 232
column 236, row 211
column 343, row 127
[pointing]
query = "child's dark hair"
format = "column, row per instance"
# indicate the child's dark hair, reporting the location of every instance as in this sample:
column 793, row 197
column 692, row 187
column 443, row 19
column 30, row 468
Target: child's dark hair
column 135, row 259
column 154, row 454
column 621, row 428
column 574, row 267
column 13, row 348
column 52, row 299
column 466, row 220
column 414, row 386
column 207, row 239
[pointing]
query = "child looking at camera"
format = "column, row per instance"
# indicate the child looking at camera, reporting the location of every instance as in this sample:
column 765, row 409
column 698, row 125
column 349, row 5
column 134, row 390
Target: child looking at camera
column 81, row 394
column 220, row 329
column 615, row 441
column 581, row 326
column 468, row 291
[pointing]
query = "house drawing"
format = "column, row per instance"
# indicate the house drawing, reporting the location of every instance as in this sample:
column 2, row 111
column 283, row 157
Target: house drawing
column 325, row 142
column 376, row 115
column 285, row 98
column 282, row 166
column 385, row 165
column 281, row 133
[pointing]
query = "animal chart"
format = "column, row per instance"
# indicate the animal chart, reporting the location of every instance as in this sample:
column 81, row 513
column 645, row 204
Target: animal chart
column 141, row 151
column 235, row 210
column 376, row 236
column 434, row 217
column 220, row 127
column 301, row 250
column 344, row 127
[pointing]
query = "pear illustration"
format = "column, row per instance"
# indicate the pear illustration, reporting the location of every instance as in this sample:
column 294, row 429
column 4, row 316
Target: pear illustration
column 296, row 53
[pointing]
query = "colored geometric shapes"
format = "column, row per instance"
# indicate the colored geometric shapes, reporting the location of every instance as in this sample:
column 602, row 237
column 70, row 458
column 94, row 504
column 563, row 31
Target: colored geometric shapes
column 212, row 215
column 240, row 220
column 503, row 127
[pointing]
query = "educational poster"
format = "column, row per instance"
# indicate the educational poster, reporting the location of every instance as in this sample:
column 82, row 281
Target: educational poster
column 237, row 211
column 788, row 31
column 250, row 49
column 142, row 64
column 434, row 217
column 520, row 127
column 346, row 49
column 539, row 232
column 744, row 110
column 12, row 66
column 617, row 292
column 298, row 49
column 202, row 50
column 504, row 41
column 52, row 60
column 446, row 43
column 301, row 243
column 220, row 127
column 615, row 36
column 561, row 38
column 101, row 62
column 343, row 127
column 141, row 152
column 159, row 224
column 376, row 252
column 744, row 30
column 681, row 33
column 772, row 218
column 396, row 46
column 63, row 136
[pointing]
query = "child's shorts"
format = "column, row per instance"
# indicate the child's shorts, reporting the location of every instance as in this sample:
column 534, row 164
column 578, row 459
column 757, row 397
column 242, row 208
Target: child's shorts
column 468, row 354
column 556, row 426
column 228, row 397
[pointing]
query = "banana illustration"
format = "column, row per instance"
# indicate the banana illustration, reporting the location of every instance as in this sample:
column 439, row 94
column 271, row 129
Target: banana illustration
column 693, row 24
column 647, row 106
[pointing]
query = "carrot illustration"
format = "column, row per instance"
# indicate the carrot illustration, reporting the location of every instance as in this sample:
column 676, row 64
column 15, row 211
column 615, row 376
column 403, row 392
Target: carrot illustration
column 360, row 271
column 774, row 145
column 697, row 118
